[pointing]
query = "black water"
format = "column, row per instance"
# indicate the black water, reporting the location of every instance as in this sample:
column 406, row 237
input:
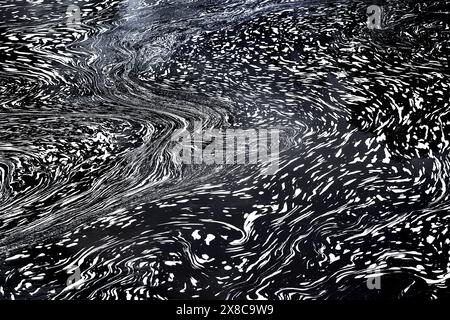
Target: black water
column 87, row 176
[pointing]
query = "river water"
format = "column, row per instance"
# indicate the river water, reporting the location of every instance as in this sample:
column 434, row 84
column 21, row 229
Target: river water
column 88, row 180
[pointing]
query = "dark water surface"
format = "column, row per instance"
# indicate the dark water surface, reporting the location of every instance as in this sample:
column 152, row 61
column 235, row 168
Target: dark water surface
column 88, row 179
